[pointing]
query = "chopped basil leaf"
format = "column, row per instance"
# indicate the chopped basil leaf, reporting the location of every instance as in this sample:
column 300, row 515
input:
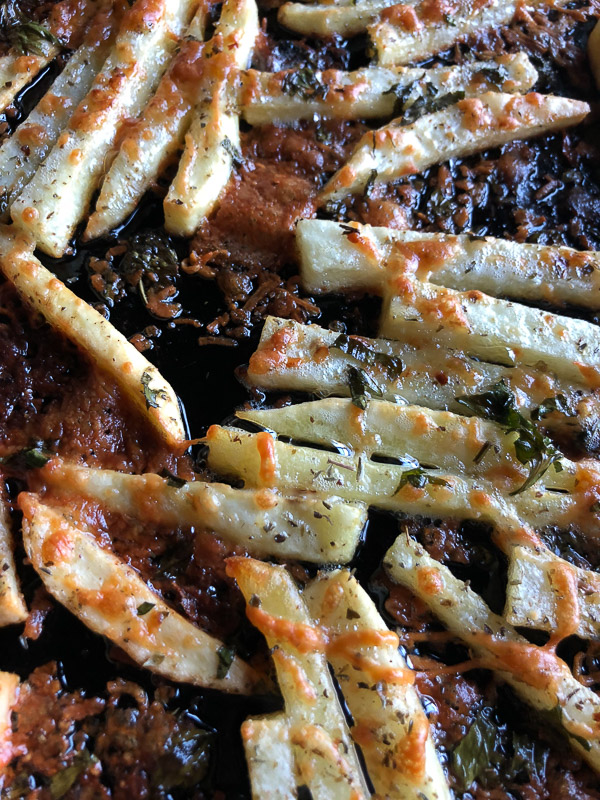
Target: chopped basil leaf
column 418, row 478
column 529, row 758
column 144, row 608
column 66, row 778
column 226, row 656
column 23, row 34
column 172, row 480
column 478, row 751
column 554, row 717
column 29, row 458
column 559, row 403
column 427, row 102
column 151, row 395
column 532, row 448
column 595, row 507
column 495, row 74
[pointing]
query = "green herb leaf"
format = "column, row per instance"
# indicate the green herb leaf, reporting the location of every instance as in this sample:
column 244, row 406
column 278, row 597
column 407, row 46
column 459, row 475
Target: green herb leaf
column 66, row 778
column 362, row 387
column 29, row 458
column 144, row 608
column 304, row 83
column 496, row 74
column 529, row 758
column 478, row 751
column 186, row 759
column 23, row 34
column 554, row 718
column 427, row 102
column 532, row 448
column 234, row 152
column 559, row 403
column 226, row 656
column 418, row 478
column 151, row 265
column 172, row 480
column 152, row 395
column 392, row 366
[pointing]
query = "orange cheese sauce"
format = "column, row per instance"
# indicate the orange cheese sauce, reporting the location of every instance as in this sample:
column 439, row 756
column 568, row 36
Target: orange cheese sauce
column 265, row 445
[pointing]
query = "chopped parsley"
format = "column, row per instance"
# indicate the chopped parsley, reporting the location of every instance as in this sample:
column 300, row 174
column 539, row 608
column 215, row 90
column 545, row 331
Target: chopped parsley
column 144, row 608
column 151, row 396
column 532, row 448
column 225, row 655
column 304, row 83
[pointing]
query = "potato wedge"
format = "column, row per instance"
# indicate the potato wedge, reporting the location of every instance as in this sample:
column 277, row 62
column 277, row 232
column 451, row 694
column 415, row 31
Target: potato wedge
column 269, row 757
column 24, row 151
column 495, row 330
column 372, row 92
column 157, row 136
column 94, row 335
column 212, row 143
column 110, row 598
column 535, row 598
column 467, row 127
column 335, row 258
column 322, row 747
column 317, row 528
column 295, row 357
column 329, row 19
column 541, row 679
column 389, row 722
column 414, row 32
column 58, row 196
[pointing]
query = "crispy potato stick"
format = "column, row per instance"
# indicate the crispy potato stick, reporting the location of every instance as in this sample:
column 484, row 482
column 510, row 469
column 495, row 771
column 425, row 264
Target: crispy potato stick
column 389, row 722
column 317, row 528
column 372, row 92
column 12, row 605
column 248, row 457
column 467, row 127
column 495, row 330
column 157, row 136
column 296, row 357
column 413, row 32
column 104, row 345
column 593, row 50
column 269, row 757
column 324, row 19
column 212, row 143
column 22, row 154
column 65, row 21
column 58, row 196
column 335, row 258
column 111, row 599
column 322, row 747
column 9, row 691
column 536, row 674
column 467, row 446
column 536, row 593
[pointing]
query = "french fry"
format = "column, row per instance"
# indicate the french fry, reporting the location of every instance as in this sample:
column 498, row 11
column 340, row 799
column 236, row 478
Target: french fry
column 372, row 92
column 236, row 454
column 84, row 326
column 156, row 137
column 334, row 258
column 322, row 747
column 496, row 330
column 389, row 722
column 538, row 676
column 317, row 528
column 269, row 757
column 212, row 143
column 412, row 33
column 534, row 597
column 468, row 446
column 58, row 196
column 324, row 19
column 111, row 599
column 467, row 127
column 24, row 151
column 66, row 19
column 296, row 357
column 12, row 605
